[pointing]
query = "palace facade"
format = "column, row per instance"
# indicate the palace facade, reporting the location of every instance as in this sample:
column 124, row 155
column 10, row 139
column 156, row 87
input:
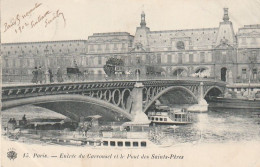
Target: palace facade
column 219, row 51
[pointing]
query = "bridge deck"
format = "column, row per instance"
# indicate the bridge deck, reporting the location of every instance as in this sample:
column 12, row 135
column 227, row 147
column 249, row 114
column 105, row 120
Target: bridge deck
column 207, row 80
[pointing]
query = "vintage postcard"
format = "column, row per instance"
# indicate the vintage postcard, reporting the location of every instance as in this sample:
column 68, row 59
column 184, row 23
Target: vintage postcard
column 130, row 83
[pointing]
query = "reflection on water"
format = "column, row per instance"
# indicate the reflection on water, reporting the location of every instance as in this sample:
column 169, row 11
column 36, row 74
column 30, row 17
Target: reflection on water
column 214, row 126
column 220, row 126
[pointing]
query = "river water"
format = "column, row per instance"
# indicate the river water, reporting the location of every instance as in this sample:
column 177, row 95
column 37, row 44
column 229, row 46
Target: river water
column 218, row 126
column 215, row 126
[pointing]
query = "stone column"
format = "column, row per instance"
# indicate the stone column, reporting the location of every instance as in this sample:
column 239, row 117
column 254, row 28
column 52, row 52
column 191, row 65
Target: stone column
column 201, row 93
column 202, row 103
column 137, row 106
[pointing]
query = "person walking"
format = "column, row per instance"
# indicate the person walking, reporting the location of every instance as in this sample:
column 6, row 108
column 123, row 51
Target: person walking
column 35, row 75
column 51, row 76
column 40, row 75
column 59, row 75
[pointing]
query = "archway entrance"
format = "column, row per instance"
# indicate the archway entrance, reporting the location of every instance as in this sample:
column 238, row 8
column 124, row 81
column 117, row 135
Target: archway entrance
column 202, row 72
column 223, row 74
column 180, row 73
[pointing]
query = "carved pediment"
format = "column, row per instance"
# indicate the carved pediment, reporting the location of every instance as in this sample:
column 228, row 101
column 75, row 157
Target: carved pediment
column 138, row 48
column 224, row 44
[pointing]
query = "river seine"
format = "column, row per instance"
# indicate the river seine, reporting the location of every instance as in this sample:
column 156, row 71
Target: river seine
column 220, row 125
column 215, row 126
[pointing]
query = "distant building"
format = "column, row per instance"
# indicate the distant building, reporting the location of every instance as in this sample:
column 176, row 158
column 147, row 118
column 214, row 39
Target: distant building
column 217, row 52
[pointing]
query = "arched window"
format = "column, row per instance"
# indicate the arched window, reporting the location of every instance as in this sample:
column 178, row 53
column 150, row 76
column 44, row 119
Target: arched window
column 159, row 60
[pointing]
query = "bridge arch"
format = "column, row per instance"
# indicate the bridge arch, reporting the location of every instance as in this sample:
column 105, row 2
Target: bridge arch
column 65, row 98
column 167, row 90
column 216, row 90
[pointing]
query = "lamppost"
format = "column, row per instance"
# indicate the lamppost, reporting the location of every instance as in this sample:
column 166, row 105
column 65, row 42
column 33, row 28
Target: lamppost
column 46, row 52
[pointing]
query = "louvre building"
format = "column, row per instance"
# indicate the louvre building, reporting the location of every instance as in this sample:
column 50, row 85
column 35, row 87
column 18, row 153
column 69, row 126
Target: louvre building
column 219, row 51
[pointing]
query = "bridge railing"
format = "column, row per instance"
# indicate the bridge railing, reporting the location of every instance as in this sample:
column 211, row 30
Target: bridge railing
column 15, row 79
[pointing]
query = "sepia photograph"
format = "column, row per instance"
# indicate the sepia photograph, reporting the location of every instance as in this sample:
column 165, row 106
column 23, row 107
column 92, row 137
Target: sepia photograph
column 130, row 83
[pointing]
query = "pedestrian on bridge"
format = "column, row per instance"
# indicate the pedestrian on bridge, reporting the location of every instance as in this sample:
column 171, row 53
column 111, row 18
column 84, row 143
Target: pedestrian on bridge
column 51, row 76
column 35, row 75
column 40, row 75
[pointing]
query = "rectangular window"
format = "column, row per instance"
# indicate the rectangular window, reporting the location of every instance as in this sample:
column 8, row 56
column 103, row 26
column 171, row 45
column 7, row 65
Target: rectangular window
column 6, row 63
column 99, row 60
column 159, row 60
column 244, row 41
column 21, row 63
column 99, row 47
column 161, row 119
column 254, row 55
column 91, row 47
column 169, row 58
column 254, row 73
column 202, row 57
column 14, row 63
column 148, row 60
column 229, row 56
column 107, row 47
column 129, row 60
column 86, row 60
column 123, row 46
column 115, row 46
column 180, row 58
column 138, row 60
column 191, row 58
column 243, row 71
column 131, row 43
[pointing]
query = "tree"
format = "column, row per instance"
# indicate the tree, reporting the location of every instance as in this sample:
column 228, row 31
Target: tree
column 111, row 64
column 251, row 60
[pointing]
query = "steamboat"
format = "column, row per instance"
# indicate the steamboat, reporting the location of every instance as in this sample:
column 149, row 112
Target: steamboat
column 169, row 116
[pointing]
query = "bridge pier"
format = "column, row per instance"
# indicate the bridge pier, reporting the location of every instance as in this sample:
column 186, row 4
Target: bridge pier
column 202, row 105
column 139, row 117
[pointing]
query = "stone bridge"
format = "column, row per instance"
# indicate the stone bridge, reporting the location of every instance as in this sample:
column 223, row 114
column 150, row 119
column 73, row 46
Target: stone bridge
column 105, row 97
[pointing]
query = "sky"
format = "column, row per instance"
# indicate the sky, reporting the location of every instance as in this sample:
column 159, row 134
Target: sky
column 78, row 19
